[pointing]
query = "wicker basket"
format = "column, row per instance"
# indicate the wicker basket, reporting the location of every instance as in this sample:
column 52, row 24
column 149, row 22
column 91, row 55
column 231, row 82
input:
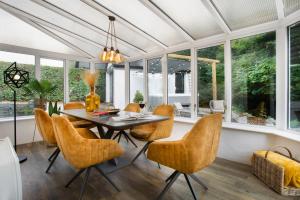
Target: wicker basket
column 272, row 175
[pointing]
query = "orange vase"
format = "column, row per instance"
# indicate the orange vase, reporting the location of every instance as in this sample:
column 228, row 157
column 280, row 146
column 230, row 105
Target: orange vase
column 92, row 101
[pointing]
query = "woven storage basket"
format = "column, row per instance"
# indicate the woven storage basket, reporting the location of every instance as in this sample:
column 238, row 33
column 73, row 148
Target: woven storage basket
column 272, row 174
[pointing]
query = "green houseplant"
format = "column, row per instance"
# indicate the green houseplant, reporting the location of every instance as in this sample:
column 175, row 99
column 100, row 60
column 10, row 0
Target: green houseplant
column 138, row 97
column 53, row 109
column 39, row 91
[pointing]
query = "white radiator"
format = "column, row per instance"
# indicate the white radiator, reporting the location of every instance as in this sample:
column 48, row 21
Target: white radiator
column 10, row 174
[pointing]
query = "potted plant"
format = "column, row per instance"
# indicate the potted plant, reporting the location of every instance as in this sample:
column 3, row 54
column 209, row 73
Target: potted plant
column 40, row 91
column 139, row 98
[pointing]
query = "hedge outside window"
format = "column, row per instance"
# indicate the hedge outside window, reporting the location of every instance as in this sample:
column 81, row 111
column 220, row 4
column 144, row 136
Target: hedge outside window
column 210, row 80
column 253, row 79
column 294, row 75
column 24, row 104
column 155, row 83
column 77, row 87
column 101, row 82
column 180, row 82
column 53, row 71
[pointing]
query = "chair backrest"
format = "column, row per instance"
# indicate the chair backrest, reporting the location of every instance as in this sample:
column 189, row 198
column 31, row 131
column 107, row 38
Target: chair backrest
column 69, row 140
column 74, row 105
column 45, row 125
column 202, row 141
column 163, row 129
column 133, row 107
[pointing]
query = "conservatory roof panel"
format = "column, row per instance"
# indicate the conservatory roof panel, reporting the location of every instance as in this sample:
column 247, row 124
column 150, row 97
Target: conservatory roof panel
column 243, row 13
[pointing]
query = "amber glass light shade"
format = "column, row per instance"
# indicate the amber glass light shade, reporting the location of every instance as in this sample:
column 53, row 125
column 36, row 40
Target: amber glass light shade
column 103, row 55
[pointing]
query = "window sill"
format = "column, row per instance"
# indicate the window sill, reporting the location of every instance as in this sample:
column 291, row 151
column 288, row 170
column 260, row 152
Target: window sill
column 289, row 134
column 10, row 119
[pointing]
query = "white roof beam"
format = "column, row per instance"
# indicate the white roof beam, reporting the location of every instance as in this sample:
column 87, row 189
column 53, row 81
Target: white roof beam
column 218, row 17
column 280, row 9
column 84, row 23
column 102, row 9
column 161, row 14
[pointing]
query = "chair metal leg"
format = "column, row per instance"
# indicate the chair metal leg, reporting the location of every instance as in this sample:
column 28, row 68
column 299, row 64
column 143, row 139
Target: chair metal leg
column 170, row 183
column 128, row 138
column 54, row 153
column 84, row 182
column 158, row 165
column 52, row 161
column 120, row 135
column 106, row 177
column 116, row 136
column 190, row 186
column 198, row 181
column 141, row 151
column 171, row 176
column 74, row 177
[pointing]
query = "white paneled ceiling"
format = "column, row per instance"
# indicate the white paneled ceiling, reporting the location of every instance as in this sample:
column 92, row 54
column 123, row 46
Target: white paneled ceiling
column 291, row 6
column 79, row 27
column 19, row 33
column 187, row 15
column 242, row 13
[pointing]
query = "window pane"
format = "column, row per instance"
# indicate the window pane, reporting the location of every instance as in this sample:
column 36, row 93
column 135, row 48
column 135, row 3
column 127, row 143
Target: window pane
column 253, row 79
column 155, row 83
column 24, row 103
column 119, row 86
column 53, row 71
column 101, row 82
column 210, row 79
column 136, row 81
column 179, row 82
column 77, row 88
column 294, row 67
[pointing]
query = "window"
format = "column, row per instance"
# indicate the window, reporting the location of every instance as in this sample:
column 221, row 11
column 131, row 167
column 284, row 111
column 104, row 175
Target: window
column 118, row 86
column 77, row 87
column 136, row 81
column 294, row 76
column 210, row 80
column 179, row 82
column 101, row 82
column 155, row 83
column 24, row 103
column 53, row 71
column 253, row 79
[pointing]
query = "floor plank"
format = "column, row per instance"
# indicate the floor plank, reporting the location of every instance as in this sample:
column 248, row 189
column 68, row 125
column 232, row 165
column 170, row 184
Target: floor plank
column 143, row 180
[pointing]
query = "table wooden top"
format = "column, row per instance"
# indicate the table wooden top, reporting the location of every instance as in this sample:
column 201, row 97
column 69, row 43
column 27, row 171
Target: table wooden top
column 108, row 122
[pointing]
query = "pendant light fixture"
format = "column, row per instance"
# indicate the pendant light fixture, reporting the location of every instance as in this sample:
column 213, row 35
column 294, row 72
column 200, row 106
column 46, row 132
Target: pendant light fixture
column 112, row 54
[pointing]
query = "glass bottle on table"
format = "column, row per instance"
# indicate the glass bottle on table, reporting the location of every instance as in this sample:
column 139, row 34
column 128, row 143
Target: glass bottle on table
column 92, row 100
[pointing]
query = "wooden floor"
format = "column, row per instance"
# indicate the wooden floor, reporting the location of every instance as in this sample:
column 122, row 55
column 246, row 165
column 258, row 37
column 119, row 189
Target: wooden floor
column 143, row 180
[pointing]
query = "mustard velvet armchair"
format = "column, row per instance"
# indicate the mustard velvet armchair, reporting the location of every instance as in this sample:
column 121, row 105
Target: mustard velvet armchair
column 132, row 107
column 154, row 131
column 78, row 123
column 194, row 152
column 84, row 154
column 45, row 126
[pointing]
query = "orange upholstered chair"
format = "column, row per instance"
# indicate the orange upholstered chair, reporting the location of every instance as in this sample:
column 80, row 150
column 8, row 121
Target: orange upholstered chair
column 154, row 131
column 83, row 153
column 78, row 123
column 45, row 126
column 195, row 151
column 132, row 107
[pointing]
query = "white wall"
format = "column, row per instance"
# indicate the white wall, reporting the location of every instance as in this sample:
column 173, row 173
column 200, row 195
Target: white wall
column 25, row 129
column 235, row 145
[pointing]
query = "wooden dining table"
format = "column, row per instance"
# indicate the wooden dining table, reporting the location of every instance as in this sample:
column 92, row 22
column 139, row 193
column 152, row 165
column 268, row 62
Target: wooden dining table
column 109, row 123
